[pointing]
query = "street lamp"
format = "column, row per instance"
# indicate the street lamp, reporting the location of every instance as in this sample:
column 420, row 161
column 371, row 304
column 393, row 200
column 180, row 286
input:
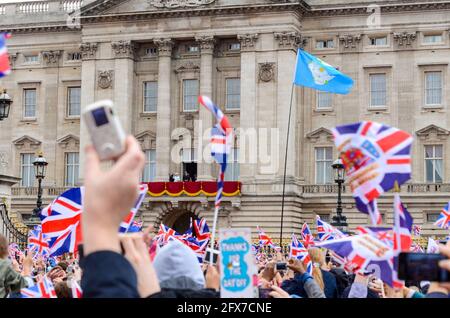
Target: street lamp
column 5, row 104
column 40, row 166
column 339, row 220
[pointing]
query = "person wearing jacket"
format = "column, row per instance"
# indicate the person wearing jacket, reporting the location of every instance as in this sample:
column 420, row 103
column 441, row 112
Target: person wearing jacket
column 302, row 285
column 11, row 280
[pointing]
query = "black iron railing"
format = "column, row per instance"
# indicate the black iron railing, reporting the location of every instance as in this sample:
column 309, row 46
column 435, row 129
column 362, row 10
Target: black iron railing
column 7, row 228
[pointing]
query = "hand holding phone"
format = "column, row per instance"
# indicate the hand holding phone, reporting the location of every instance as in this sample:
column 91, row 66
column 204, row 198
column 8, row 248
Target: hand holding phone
column 421, row 266
column 107, row 134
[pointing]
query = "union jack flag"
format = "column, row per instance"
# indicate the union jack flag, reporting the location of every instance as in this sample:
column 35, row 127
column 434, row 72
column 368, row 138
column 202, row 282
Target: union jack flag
column 416, row 248
column 265, row 239
column 43, row 289
column 62, row 222
column 38, row 242
column 14, row 250
column 307, row 237
column 221, row 136
column 443, row 220
column 403, row 222
column 5, row 68
column 433, row 246
column 375, row 157
column 166, row 234
column 417, row 230
column 202, row 232
column 136, row 226
column 298, row 251
column 326, row 231
column 125, row 224
column 365, row 252
column 75, row 288
column 384, row 234
column 198, row 248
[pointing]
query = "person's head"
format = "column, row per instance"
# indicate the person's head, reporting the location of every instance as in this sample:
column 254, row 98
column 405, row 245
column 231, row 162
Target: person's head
column 63, row 265
column 3, row 247
column 177, row 267
column 318, row 260
column 62, row 290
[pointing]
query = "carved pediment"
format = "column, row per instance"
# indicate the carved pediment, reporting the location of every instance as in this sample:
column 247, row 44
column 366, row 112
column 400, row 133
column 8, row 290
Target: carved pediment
column 322, row 134
column 188, row 67
column 147, row 139
column 27, row 142
column 69, row 140
column 432, row 132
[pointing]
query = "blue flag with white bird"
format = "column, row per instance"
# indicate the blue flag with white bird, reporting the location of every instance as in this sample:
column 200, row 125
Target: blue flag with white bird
column 314, row 73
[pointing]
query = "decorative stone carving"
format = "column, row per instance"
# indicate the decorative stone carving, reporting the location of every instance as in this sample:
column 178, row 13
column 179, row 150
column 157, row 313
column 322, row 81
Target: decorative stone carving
column 164, row 46
column 405, row 38
column 432, row 133
column 321, row 134
column 266, row 72
column 123, row 49
column 88, row 50
column 248, row 41
column 147, row 139
column 179, row 3
column 69, row 141
column 350, row 40
column 13, row 59
column 51, row 58
column 188, row 67
column 3, row 160
column 105, row 79
column 290, row 40
column 27, row 143
column 206, row 43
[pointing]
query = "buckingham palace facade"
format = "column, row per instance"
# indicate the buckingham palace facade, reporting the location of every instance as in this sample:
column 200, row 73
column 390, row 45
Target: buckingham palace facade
column 154, row 57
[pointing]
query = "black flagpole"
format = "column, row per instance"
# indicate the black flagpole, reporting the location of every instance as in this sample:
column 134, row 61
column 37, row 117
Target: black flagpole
column 285, row 166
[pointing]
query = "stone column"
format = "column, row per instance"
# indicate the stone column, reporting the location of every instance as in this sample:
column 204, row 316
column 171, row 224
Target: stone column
column 123, row 52
column 88, row 55
column 204, row 169
column 288, row 43
column 248, row 105
column 164, row 108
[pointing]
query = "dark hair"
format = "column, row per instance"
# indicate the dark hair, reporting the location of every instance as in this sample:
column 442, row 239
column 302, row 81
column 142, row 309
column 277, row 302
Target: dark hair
column 62, row 290
column 3, row 247
column 63, row 265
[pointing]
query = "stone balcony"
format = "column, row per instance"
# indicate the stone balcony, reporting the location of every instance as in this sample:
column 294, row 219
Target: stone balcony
column 35, row 12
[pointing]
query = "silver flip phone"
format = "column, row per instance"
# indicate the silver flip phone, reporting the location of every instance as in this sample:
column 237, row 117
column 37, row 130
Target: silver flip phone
column 107, row 134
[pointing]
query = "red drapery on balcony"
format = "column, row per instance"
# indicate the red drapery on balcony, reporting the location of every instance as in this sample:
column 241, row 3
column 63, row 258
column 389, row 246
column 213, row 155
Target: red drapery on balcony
column 192, row 189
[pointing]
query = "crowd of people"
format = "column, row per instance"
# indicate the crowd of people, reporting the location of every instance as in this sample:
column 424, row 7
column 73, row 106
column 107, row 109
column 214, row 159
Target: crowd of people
column 174, row 272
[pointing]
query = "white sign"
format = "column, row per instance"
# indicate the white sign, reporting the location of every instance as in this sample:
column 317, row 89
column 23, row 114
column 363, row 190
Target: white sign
column 238, row 272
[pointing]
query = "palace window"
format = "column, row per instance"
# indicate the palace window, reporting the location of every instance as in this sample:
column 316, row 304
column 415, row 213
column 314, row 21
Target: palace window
column 232, row 172
column 27, row 170
column 324, row 100
column 233, row 97
column 151, row 51
column 29, row 103
column 325, row 217
column 324, row 160
column 73, row 101
column 377, row 90
column 378, row 41
column 74, row 56
column 430, row 39
column 149, row 173
column 433, row 88
column 324, row 44
column 31, row 58
column 235, row 46
column 72, row 169
column 189, row 164
column 432, row 217
column 192, row 48
column 190, row 95
column 150, row 97
column 434, row 163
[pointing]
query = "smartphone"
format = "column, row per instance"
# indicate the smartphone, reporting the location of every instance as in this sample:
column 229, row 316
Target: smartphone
column 421, row 266
column 264, row 292
column 208, row 256
column 107, row 134
column 281, row 266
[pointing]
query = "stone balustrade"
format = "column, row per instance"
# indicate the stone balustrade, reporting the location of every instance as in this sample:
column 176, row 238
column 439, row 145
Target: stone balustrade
column 44, row 8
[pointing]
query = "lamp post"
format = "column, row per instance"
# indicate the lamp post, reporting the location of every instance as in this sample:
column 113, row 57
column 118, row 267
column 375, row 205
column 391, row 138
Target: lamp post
column 5, row 105
column 40, row 166
column 339, row 220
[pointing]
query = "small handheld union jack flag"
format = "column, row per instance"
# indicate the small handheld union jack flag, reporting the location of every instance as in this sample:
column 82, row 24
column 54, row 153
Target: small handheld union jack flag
column 417, row 230
column 42, row 289
column 307, row 237
column 326, row 231
column 298, row 251
column 265, row 239
column 443, row 220
column 38, row 242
